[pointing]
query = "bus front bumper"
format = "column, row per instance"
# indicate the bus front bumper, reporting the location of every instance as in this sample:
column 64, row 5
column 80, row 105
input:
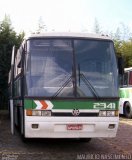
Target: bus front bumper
column 56, row 127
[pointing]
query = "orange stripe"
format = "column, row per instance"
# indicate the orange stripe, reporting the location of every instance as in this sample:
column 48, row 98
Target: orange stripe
column 44, row 104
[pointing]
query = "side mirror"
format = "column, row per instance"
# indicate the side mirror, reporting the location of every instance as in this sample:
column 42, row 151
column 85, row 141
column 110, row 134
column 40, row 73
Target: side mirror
column 120, row 65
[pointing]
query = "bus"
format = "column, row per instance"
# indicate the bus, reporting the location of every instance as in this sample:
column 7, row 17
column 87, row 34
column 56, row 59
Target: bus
column 64, row 85
column 125, row 91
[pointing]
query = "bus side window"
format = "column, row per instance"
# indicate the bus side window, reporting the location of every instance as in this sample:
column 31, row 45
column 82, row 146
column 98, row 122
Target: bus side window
column 125, row 80
column 17, row 68
column 130, row 78
column 9, row 77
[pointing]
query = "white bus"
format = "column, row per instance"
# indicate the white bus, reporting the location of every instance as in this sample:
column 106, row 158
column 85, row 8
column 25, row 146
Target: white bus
column 125, row 103
column 64, row 85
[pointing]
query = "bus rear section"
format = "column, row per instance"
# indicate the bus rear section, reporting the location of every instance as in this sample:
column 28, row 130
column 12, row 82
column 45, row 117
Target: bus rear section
column 67, row 86
column 125, row 103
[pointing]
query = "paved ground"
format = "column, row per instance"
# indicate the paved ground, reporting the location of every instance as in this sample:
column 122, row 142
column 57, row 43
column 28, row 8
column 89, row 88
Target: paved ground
column 12, row 147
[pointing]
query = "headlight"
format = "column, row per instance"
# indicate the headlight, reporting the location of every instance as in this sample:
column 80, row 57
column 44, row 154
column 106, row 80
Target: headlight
column 46, row 113
column 38, row 113
column 108, row 113
column 102, row 113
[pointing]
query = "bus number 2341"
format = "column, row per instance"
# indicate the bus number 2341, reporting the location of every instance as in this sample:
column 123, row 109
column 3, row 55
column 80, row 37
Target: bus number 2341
column 104, row 106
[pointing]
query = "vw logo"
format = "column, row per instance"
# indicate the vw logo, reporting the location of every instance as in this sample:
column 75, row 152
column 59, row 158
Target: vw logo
column 75, row 112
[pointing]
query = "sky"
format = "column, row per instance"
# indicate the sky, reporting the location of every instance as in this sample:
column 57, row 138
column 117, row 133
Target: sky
column 67, row 15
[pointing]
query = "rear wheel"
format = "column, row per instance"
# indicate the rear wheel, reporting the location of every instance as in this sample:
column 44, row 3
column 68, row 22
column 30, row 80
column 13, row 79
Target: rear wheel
column 128, row 110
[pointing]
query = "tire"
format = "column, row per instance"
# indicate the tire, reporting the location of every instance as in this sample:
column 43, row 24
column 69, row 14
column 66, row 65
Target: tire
column 128, row 110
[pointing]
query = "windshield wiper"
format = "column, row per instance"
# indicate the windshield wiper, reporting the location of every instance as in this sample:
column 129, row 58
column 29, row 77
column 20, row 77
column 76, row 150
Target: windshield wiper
column 63, row 86
column 89, row 85
column 87, row 82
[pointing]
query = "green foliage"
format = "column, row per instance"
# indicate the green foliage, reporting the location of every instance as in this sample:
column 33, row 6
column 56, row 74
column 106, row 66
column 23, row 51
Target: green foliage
column 8, row 38
column 122, row 41
column 123, row 44
column 41, row 26
column 97, row 28
column 126, row 50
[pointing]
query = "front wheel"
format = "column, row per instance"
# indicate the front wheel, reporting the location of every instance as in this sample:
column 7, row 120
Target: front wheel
column 128, row 110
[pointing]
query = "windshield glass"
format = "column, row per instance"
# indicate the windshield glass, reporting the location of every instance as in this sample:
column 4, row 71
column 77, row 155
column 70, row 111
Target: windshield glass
column 96, row 68
column 70, row 68
column 50, row 67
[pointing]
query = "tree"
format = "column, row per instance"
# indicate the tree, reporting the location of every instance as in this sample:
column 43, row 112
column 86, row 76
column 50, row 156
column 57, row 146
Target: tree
column 117, row 42
column 41, row 26
column 8, row 38
column 126, row 49
column 97, row 28
column 123, row 44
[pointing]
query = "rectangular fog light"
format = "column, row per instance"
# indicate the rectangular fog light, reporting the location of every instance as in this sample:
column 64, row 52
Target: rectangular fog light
column 102, row 113
column 110, row 113
column 46, row 113
column 35, row 126
column 36, row 113
column 111, row 126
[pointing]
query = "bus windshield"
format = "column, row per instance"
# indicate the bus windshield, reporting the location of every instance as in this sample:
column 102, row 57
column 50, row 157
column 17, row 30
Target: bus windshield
column 71, row 68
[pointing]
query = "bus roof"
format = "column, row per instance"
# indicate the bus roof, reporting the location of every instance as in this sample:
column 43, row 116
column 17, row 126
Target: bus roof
column 68, row 35
column 128, row 69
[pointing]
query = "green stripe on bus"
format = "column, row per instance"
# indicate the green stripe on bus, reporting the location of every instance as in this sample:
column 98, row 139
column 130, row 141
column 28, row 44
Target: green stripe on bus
column 27, row 104
column 73, row 104
column 81, row 104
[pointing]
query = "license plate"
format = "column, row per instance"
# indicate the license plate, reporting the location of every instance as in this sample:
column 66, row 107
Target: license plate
column 74, row 126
